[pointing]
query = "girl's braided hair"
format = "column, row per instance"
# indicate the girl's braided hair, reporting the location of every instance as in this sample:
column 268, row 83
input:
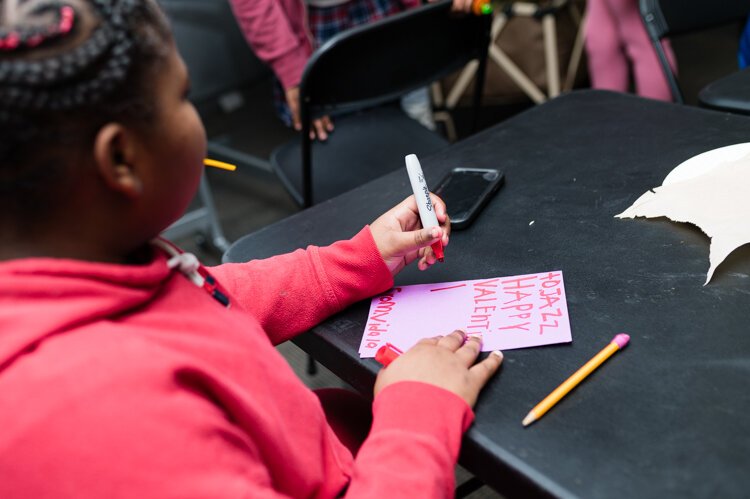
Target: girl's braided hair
column 59, row 85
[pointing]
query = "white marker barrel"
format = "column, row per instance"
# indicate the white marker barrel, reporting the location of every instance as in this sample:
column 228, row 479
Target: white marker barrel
column 421, row 192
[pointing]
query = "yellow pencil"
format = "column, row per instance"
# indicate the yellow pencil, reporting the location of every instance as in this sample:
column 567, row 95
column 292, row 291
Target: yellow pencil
column 553, row 398
column 219, row 164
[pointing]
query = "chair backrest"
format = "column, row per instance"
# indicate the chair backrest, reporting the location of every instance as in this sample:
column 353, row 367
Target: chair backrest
column 382, row 60
column 674, row 17
column 385, row 59
column 664, row 18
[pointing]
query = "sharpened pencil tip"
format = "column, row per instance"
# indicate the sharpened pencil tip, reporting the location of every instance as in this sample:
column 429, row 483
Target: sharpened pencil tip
column 528, row 419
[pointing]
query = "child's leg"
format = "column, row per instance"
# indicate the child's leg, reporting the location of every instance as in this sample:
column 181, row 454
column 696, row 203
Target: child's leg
column 649, row 76
column 349, row 414
column 608, row 67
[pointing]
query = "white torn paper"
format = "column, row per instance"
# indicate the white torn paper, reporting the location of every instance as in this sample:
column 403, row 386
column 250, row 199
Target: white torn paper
column 710, row 191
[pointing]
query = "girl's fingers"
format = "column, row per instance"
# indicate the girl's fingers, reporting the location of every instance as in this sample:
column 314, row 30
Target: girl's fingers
column 427, row 259
column 469, row 351
column 320, row 130
column 430, row 341
column 453, row 341
column 462, row 5
column 481, row 372
column 440, row 209
column 442, row 215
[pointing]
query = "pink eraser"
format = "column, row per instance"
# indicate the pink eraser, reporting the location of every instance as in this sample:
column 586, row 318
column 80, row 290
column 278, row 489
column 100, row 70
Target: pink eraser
column 621, row 340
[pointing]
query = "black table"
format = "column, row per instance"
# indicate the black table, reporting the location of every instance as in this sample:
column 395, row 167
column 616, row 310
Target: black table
column 667, row 416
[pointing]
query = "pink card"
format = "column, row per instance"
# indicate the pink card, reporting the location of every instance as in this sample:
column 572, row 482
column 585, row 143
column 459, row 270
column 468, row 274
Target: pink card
column 509, row 312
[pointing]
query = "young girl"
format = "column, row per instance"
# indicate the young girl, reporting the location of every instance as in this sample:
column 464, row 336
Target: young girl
column 129, row 370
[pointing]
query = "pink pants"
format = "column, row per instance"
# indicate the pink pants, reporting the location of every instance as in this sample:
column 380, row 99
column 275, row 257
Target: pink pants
column 616, row 39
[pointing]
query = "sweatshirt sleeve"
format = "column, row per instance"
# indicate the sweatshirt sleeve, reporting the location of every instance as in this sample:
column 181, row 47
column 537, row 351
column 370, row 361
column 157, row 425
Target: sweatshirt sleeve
column 276, row 35
column 289, row 294
column 413, row 444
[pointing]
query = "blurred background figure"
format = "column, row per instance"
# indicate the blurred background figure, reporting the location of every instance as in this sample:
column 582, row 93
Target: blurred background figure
column 619, row 49
column 743, row 53
column 284, row 33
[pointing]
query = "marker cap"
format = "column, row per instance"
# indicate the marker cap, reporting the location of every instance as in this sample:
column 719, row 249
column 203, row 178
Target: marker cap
column 387, row 354
column 437, row 248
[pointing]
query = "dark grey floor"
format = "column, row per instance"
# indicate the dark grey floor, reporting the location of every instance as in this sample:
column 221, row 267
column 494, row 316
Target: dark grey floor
column 250, row 198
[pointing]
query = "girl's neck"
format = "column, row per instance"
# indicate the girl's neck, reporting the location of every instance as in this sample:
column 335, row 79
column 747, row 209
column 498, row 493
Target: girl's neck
column 68, row 248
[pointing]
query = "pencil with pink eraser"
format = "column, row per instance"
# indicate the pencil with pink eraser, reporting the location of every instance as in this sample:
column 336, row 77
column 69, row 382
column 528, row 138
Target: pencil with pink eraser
column 617, row 343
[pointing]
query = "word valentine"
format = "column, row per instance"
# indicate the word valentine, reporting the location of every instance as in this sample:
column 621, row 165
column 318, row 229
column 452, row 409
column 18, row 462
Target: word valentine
column 508, row 312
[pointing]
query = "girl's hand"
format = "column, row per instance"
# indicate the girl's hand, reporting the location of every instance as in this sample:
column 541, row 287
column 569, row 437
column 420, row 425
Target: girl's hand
column 446, row 362
column 400, row 238
column 320, row 128
column 459, row 5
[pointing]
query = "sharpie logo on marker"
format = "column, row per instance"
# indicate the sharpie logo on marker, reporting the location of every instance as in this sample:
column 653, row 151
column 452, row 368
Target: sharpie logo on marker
column 423, row 182
column 428, row 203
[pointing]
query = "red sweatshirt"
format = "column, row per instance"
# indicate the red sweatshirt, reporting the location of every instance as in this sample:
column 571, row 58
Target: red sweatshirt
column 131, row 381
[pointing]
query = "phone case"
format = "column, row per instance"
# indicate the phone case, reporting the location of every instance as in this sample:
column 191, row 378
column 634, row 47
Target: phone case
column 477, row 196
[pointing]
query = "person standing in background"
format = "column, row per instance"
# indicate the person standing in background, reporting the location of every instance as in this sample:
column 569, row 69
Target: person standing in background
column 616, row 41
column 284, row 33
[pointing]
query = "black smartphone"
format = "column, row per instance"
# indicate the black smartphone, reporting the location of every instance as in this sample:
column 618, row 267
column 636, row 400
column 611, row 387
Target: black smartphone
column 466, row 191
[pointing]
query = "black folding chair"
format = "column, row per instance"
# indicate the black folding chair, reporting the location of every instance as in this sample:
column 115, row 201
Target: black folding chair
column 666, row 18
column 731, row 93
column 358, row 71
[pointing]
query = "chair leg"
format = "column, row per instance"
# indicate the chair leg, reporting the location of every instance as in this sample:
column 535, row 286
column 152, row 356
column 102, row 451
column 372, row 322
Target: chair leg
column 450, row 127
column 515, row 74
column 549, row 29
column 440, row 114
column 217, row 239
column 575, row 57
column 203, row 220
column 668, row 73
column 312, row 366
column 551, row 55
column 436, row 94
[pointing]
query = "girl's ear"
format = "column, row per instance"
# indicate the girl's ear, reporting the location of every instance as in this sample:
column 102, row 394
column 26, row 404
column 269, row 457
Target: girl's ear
column 114, row 155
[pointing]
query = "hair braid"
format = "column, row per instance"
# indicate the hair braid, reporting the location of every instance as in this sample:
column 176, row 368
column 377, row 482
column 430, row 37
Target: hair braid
column 66, row 68
column 12, row 39
column 82, row 76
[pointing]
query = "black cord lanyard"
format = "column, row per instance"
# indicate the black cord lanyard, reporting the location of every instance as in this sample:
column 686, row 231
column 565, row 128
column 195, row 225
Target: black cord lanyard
column 190, row 267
